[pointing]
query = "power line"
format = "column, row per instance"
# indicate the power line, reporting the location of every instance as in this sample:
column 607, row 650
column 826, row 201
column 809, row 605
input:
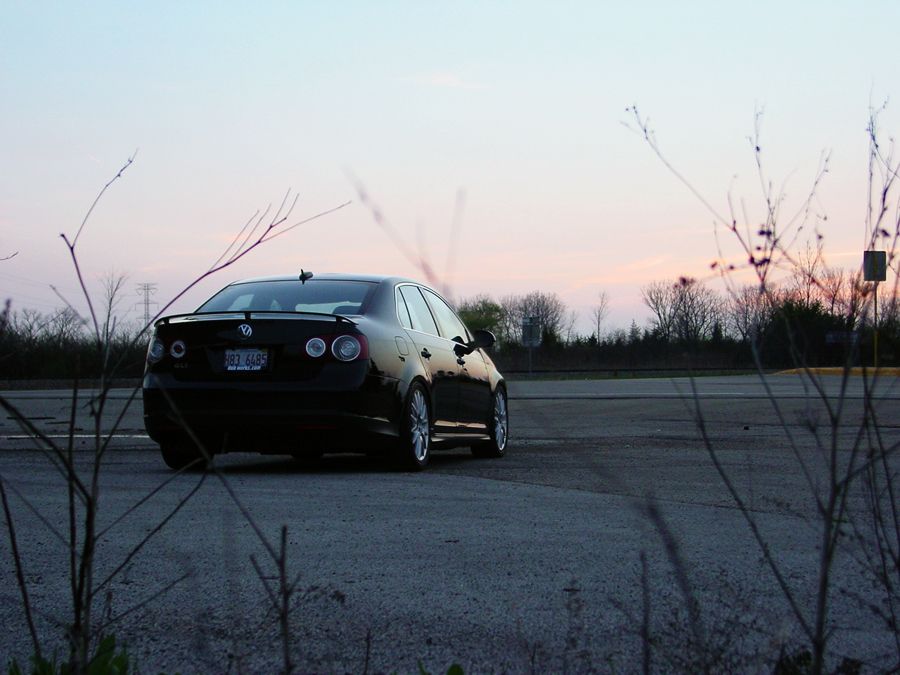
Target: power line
column 147, row 289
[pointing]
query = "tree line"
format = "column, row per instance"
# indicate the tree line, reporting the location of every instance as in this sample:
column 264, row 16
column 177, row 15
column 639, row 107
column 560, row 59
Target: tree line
column 60, row 345
column 814, row 317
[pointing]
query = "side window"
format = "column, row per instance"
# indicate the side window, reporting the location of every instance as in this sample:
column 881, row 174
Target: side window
column 402, row 310
column 418, row 310
column 451, row 326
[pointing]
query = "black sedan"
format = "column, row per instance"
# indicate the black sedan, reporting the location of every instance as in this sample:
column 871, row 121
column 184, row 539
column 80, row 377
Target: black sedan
column 305, row 365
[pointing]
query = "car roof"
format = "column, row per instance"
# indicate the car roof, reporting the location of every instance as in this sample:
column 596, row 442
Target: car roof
column 333, row 276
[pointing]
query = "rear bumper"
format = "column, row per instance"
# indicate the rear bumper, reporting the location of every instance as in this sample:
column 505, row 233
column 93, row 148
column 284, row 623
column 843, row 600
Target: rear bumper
column 273, row 417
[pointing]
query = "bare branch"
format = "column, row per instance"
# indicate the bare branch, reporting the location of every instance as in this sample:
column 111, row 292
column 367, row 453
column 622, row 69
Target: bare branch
column 98, row 197
column 411, row 256
column 20, row 574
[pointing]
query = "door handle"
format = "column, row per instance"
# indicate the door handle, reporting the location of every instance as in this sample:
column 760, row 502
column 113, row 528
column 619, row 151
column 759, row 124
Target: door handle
column 426, row 354
column 461, row 361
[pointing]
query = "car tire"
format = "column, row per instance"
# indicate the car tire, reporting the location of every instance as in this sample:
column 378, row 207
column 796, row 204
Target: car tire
column 498, row 424
column 178, row 453
column 415, row 430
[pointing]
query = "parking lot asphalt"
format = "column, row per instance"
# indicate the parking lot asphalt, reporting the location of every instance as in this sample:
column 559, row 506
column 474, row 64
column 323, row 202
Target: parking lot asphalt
column 527, row 563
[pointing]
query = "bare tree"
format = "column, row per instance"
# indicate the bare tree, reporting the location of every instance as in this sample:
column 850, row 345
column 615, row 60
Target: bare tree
column 804, row 285
column 698, row 310
column 843, row 294
column 599, row 311
column 748, row 309
column 65, row 326
column 833, row 287
column 659, row 296
column 113, row 284
column 548, row 308
column 510, row 320
column 5, row 317
column 27, row 323
column 571, row 319
column 683, row 310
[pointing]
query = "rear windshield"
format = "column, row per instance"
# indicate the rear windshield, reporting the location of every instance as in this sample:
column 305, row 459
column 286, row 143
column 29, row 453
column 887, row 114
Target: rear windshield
column 322, row 295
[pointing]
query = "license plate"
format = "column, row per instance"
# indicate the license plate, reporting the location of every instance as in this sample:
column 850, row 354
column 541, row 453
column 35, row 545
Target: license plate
column 246, row 359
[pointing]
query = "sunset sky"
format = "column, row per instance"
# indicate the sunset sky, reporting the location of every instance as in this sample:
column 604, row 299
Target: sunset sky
column 519, row 105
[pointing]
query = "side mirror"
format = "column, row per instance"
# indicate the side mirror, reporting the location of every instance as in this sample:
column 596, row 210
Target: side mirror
column 482, row 339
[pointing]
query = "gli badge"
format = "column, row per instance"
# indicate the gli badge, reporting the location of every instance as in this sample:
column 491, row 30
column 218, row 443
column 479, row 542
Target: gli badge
column 245, row 330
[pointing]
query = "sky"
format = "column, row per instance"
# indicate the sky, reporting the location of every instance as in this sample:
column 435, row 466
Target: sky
column 518, row 107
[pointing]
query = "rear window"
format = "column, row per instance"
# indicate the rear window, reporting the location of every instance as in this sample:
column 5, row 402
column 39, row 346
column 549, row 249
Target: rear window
column 323, row 296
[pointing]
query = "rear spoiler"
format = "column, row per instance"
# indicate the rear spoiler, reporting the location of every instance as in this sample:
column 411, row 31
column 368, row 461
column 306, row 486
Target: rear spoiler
column 248, row 314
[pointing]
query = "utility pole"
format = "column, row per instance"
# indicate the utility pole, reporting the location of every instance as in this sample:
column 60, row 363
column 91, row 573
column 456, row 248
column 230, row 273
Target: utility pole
column 146, row 290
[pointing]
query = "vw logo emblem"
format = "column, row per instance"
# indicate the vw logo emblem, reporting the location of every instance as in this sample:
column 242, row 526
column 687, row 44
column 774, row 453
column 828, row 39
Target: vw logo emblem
column 246, row 330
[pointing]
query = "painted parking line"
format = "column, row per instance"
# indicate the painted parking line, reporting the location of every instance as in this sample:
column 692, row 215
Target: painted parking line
column 690, row 396
column 27, row 437
column 644, row 395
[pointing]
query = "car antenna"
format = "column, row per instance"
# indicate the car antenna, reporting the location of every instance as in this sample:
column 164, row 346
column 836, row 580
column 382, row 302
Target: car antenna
column 305, row 276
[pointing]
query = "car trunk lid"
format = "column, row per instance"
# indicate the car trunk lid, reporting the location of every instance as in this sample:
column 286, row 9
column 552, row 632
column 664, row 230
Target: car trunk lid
column 246, row 345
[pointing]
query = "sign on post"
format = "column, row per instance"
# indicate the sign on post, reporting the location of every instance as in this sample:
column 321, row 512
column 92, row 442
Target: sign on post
column 531, row 336
column 875, row 265
column 875, row 269
column 531, row 331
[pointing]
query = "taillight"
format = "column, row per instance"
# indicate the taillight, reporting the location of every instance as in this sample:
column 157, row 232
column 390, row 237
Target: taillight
column 342, row 347
column 178, row 349
column 316, row 347
column 346, row 348
column 155, row 351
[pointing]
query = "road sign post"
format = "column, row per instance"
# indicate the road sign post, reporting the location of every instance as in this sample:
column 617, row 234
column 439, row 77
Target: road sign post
column 531, row 335
column 875, row 270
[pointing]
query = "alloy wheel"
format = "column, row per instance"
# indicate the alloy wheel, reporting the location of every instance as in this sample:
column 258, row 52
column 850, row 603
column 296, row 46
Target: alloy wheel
column 419, row 425
column 501, row 420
